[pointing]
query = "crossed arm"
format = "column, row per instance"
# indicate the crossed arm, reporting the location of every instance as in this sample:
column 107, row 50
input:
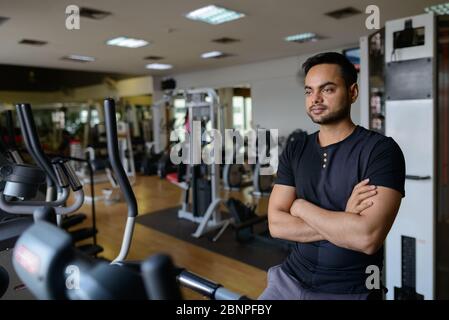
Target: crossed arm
column 362, row 227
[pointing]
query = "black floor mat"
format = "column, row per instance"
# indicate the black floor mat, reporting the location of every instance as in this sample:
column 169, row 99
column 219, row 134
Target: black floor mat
column 258, row 252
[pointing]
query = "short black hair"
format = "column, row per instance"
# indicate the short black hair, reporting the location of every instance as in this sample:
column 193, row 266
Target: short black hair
column 348, row 71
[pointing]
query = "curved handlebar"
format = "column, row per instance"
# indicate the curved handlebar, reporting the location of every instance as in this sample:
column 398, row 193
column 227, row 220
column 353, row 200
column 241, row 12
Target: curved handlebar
column 114, row 158
column 32, row 143
column 119, row 171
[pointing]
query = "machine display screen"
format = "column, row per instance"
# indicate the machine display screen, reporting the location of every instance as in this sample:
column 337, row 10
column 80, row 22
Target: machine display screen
column 409, row 37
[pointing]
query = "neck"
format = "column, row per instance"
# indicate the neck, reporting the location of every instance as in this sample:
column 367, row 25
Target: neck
column 336, row 132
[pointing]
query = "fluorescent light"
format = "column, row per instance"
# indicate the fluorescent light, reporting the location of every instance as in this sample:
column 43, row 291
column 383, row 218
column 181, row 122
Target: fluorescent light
column 211, row 54
column 158, row 66
column 127, row 42
column 214, row 15
column 82, row 58
column 79, row 58
column 438, row 9
column 302, row 37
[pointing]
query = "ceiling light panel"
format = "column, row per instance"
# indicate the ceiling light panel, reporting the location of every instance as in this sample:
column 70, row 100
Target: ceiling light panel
column 302, row 37
column 158, row 66
column 214, row 15
column 127, row 42
column 78, row 58
column 439, row 9
column 211, row 54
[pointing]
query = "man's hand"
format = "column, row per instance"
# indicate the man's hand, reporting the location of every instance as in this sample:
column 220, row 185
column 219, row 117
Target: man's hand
column 364, row 231
column 282, row 223
column 296, row 207
column 358, row 201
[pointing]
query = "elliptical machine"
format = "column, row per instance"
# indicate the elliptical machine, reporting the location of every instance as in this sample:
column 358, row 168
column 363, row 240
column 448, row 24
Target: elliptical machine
column 52, row 269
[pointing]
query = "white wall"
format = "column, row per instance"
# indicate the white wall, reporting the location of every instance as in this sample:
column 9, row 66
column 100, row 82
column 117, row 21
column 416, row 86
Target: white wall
column 277, row 93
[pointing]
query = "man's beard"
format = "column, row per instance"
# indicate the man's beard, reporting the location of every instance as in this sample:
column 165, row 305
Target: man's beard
column 333, row 117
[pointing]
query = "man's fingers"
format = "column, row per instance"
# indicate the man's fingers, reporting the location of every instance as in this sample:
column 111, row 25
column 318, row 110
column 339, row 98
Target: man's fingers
column 364, row 206
column 365, row 189
column 366, row 195
column 361, row 184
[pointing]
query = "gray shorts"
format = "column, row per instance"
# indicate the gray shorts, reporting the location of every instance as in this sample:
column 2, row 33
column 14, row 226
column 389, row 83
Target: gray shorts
column 282, row 286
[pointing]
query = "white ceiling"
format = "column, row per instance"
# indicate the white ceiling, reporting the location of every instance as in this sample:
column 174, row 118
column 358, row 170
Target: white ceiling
column 179, row 40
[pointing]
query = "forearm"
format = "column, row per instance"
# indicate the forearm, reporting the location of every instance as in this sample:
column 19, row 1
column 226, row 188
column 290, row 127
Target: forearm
column 285, row 226
column 344, row 229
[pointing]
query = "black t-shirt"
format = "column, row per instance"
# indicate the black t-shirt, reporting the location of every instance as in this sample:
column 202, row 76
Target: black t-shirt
column 326, row 177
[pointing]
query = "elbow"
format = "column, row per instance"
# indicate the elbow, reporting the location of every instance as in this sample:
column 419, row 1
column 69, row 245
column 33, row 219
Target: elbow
column 370, row 250
column 370, row 245
column 272, row 231
column 273, row 227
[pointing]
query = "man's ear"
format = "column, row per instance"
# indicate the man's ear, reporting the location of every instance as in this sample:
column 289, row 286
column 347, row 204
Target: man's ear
column 353, row 92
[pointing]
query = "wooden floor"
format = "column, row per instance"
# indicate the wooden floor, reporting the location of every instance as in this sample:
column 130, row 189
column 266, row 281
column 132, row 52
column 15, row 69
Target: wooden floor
column 154, row 194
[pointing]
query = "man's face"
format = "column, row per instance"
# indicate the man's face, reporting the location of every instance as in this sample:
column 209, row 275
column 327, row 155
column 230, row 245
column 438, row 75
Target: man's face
column 328, row 100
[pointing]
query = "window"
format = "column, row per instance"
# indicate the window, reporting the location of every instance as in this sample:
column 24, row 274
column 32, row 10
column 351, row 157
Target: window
column 95, row 119
column 248, row 113
column 238, row 113
column 241, row 113
column 180, row 114
column 58, row 119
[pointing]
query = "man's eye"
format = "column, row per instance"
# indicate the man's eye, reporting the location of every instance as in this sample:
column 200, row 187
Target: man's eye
column 328, row 90
column 307, row 93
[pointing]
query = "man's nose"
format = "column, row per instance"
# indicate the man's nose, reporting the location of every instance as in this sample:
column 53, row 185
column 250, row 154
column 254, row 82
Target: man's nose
column 317, row 97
